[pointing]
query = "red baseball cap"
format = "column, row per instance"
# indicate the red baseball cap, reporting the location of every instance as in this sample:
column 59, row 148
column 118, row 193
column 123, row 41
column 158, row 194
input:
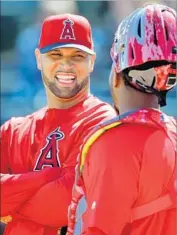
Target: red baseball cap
column 66, row 30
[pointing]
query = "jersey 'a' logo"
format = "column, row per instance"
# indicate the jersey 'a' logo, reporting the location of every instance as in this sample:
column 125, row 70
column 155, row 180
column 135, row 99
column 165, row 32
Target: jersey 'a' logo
column 68, row 31
column 49, row 155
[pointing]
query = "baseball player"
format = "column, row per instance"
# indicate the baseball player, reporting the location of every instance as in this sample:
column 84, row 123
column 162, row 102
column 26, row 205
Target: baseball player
column 39, row 151
column 127, row 165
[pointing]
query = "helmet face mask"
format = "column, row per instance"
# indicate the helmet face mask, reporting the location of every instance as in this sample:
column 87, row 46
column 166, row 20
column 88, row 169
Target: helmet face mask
column 148, row 36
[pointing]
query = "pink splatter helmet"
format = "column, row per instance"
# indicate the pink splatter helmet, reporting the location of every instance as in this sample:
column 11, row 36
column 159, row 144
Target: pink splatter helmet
column 145, row 46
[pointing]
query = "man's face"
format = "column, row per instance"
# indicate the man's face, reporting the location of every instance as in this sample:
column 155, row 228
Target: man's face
column 65, row 71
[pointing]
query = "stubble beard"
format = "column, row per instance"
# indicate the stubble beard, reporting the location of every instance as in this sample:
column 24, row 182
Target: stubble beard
column 65, row 92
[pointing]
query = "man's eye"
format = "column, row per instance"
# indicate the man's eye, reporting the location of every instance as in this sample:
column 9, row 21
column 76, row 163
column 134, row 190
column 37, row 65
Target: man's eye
column 79, row 56
column 56, row 54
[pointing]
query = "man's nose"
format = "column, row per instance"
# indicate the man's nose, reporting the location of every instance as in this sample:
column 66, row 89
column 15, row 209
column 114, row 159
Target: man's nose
column 66, row 63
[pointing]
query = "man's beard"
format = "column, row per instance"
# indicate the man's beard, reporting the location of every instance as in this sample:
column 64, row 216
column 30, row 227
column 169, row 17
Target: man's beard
column 65, row 92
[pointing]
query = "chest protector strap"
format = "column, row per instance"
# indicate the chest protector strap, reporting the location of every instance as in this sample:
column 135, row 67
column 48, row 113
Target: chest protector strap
column 92, row 138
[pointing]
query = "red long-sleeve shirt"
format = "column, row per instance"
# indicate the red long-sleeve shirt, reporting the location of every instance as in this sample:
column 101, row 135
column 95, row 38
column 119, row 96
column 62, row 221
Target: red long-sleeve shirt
column 128, row 166
column 133, row 152
column 37, row 198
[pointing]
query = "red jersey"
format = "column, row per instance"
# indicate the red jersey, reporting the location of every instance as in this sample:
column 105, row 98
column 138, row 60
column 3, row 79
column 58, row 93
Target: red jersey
column 38, row 157
column 128, row 178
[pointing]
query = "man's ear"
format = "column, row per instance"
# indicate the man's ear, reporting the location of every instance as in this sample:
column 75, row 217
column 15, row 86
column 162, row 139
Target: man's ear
column 116, row 79
column 93, row 58
column 38, row 58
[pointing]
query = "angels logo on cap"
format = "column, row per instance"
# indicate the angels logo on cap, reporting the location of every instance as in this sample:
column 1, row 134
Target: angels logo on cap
column 68, row 31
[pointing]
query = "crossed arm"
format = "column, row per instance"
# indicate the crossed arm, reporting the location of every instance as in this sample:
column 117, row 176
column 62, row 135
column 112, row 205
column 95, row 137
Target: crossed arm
column 42, row 197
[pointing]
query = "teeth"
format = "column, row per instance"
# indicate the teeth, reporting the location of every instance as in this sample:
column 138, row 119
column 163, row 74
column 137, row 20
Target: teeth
column 65, row 77
column 66, row 80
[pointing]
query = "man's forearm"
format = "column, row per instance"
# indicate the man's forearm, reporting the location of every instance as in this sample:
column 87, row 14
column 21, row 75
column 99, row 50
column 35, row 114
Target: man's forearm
column 17, row 188
column 49, row 206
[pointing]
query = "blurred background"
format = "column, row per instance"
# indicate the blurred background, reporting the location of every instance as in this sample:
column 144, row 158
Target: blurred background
column 22, row 91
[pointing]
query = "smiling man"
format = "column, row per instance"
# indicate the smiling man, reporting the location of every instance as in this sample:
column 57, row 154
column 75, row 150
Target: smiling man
column 39, row 151
column 66, row 85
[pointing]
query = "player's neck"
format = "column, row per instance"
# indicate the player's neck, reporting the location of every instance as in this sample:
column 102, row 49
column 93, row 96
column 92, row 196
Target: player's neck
column 128, row 108
column 59, row 103
column 140, row 101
